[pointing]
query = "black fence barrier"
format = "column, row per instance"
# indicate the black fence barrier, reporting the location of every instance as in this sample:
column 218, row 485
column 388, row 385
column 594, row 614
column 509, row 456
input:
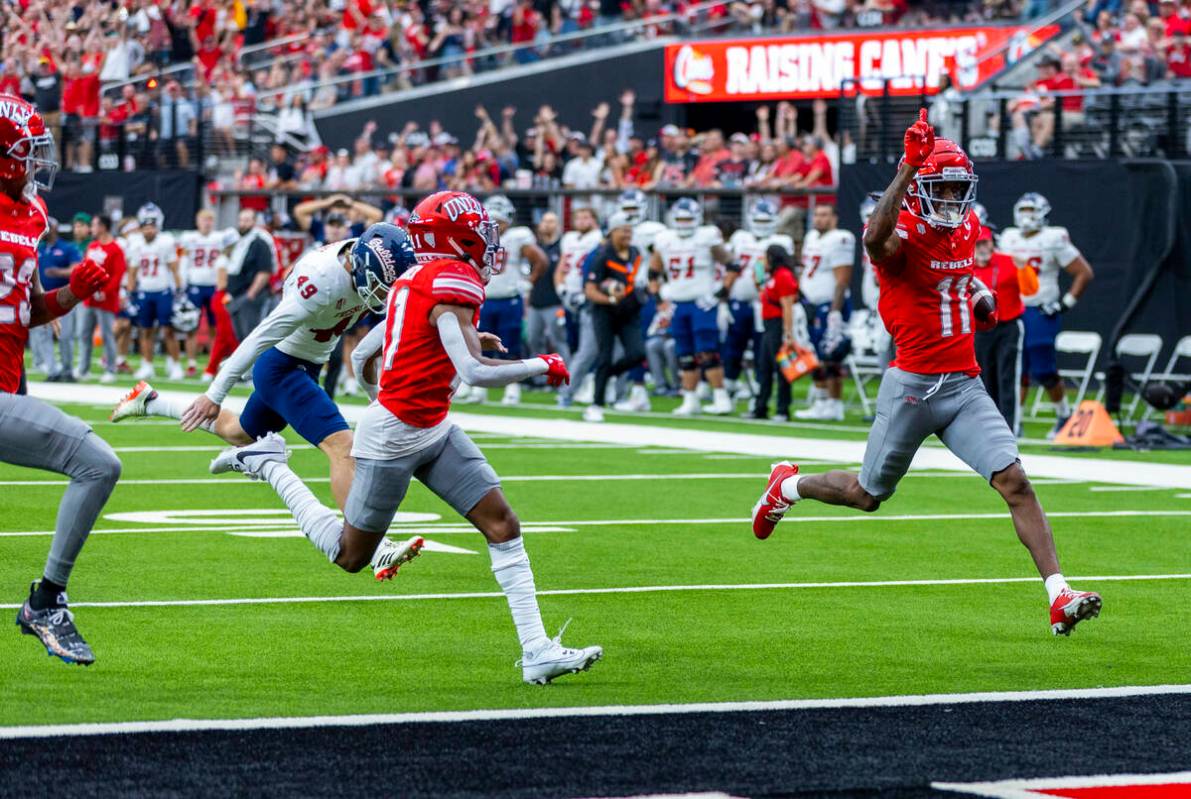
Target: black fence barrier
column 176, row 191
column 1127, row 217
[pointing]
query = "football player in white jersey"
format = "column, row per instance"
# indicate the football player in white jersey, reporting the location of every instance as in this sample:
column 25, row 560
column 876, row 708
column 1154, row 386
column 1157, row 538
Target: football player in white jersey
column 1047, row 249
column 328, row 289
column 827, row 256
column 153, row 279
column 870, row 291
column 635, row 206
column 203, row 254
column 748, row 246
column 581, row 239
column 685, row 270
column 503, row 312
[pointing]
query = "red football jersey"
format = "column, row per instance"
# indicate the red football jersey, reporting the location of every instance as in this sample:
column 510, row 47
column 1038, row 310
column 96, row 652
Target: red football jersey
column 1001, row 277
column 416, row 381
column 926, row 296
column 22, row 224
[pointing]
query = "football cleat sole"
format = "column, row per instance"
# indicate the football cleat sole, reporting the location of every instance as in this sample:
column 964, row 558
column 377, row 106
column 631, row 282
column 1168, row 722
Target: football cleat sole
column 1088, row 608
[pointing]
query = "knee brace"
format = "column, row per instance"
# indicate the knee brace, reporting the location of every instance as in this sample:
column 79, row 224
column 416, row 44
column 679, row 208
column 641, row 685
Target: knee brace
column 1049, row 381
column 687, row 363
column 708, row 360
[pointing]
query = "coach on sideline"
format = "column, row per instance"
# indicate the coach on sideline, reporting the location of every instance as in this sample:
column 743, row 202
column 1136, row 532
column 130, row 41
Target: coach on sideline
column 251, row 264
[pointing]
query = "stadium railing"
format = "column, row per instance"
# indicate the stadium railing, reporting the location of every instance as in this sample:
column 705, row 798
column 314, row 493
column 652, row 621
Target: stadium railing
column 722, row 204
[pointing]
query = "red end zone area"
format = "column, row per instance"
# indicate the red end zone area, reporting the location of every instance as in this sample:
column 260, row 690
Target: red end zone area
column 1102, row 786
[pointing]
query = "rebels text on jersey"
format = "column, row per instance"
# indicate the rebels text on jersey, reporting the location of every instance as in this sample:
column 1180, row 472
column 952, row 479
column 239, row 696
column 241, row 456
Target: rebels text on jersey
column 748, row 251
column 151, row 261
column 327, row 300
column 574, row 248
column 687, row 262
column 822, row 254
column 510, row 281
column 203, row 254
column 417, row 375
column 1047, row 252
column 22, row 224
column 926, row 296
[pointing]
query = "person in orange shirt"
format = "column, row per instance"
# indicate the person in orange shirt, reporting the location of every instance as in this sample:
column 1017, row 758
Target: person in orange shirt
column 998, row 350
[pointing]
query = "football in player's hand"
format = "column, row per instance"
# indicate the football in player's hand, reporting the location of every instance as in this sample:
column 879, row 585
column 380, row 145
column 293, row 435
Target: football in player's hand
column 613, row 288
column 984, row 306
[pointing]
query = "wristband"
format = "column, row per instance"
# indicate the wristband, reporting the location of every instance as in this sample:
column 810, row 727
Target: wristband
column 51, row 304
column 1069, row 300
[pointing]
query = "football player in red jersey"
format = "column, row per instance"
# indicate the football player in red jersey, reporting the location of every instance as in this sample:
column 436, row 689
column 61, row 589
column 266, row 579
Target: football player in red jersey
column 426, row 346
column 33, row 433
column 921, row 238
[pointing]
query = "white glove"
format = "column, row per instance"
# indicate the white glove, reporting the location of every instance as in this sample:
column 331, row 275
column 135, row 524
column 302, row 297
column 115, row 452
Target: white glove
column 723, row 317
column 835, row 330
column 706, row 302
column 664, row 292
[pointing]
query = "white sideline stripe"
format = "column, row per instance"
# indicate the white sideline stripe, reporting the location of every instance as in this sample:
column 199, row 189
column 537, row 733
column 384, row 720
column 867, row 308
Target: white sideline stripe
column 628, row 589
column 1025, row 789
column 431, row 528
column 1098, row 470
column 455, row 716
column 1114, row 489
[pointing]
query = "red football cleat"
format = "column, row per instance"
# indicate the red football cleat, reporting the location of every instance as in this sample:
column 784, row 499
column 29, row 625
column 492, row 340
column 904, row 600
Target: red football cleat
column 772, row 506
column 1072, row 607
column 192, row 371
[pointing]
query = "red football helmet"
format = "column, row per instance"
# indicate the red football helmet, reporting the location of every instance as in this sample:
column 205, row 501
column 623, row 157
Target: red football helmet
column 453, row 224
column 944, row 189
column 26, row 147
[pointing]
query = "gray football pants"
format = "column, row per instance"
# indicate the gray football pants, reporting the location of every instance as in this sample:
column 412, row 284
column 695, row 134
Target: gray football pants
column 40, row 436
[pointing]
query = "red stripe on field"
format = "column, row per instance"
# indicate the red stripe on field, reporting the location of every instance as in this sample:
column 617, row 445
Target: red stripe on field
column 1172, row 790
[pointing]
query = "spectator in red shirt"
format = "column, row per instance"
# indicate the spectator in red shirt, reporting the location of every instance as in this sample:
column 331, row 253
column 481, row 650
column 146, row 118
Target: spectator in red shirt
column 208, row 55
column 101, row 308
column 1178, row 56
column 712, row 152
column 1173, row 22
column 524, row 28
column 254, row 179
column 998, row 351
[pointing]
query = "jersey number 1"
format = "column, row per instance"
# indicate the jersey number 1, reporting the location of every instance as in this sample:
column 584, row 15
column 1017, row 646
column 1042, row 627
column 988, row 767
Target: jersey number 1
column 961, row 298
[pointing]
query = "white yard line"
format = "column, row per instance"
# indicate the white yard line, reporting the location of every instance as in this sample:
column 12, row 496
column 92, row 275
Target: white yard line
column 513, row 714
column 1097, row 470
column 628, row 589
column 528, row 526
column 1037, row 788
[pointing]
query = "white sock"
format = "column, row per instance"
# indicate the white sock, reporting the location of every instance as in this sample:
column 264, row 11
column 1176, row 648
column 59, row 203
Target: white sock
column 790, row 488
column 510, row 565
column 1062, row 408
column 172, row 409
column 1055, row 585
column 317, row 522
column 690, row 398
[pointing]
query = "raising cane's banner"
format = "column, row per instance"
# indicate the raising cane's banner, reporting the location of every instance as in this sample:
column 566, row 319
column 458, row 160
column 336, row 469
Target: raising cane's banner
column 792, row 68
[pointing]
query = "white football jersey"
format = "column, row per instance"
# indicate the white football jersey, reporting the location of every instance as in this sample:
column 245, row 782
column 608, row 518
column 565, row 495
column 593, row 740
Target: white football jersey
column 151, row 260
column 644, row 236
column 691, row 271
column 202, row 254
column 327, row 303
column 748, row 250
column 574, row 248
column 511, row 281
column 822, row 254
column 1047, row 252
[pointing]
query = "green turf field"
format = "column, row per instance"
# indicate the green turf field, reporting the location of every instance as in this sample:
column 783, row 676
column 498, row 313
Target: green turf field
column 722, row 638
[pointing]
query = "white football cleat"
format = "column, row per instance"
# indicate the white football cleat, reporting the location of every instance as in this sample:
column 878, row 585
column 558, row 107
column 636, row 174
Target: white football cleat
column 585, row 394
column 206, row 377
column 512, row 394
column 107, row 378
column 248, row 459
column 145, row 372
column 132, row 404
column 593, row 413
column 721, row 404
column 689, row 406
column 703, row 390
column 391, row 555
column 555, row 660
column 827, row 410
column 174, row 371
column 636, row 402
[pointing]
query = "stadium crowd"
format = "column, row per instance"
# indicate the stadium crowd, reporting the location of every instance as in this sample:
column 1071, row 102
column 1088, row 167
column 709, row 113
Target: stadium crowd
column 145, row 80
